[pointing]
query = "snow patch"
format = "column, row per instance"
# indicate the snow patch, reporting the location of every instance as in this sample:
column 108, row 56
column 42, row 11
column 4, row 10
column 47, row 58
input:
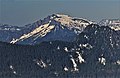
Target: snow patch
column 95, row 32
column 66, row 49
column 87, row 46
column 65, row 69
column 80, row 59
column 118, row 62
column 50, row 42
column 116, row 28
column 74, row 64
column 111, row 42
column 86, row 36
column 11, row 67
column 40, row 63
column 13, row 70
column 58, row 48
column 102, row 60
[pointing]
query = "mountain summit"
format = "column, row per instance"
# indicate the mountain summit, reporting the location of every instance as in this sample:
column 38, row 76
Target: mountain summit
column 54, row 27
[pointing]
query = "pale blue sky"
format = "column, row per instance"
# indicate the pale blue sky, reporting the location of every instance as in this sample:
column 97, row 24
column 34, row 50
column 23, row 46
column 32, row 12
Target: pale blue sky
column 21, row 12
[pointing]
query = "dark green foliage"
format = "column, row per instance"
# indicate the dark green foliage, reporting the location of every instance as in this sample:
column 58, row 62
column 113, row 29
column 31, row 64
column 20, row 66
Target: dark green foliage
column 22, row 56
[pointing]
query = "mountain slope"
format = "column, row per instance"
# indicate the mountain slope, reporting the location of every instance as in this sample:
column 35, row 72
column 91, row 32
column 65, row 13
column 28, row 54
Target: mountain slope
column 94, row 53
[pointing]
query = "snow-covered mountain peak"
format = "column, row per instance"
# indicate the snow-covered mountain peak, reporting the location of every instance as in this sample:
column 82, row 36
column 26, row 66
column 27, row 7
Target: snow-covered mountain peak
column 54, row 27
column 67, row 20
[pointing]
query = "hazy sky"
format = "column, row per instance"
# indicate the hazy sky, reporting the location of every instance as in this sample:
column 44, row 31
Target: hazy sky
column 21, row 12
